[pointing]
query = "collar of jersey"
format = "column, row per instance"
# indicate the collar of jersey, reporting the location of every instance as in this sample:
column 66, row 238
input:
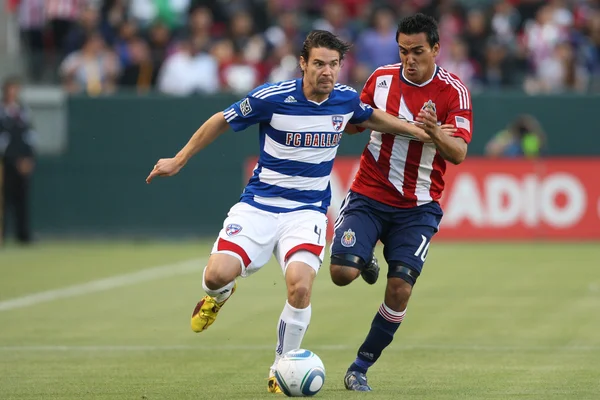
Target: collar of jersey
column 299, row 83
column 405, row 80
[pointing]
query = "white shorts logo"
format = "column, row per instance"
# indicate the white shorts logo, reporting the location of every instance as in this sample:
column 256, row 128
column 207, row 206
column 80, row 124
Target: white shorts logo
column 349, row 238
column 245, row 107
column 233, row 229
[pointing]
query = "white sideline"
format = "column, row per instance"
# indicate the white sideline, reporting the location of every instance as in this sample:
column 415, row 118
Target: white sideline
column 257, row 347
column 149, row 274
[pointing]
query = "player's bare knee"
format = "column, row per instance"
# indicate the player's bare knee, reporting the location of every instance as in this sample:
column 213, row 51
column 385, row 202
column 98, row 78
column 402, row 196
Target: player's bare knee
column 342, row 275
column 299, row 294
column 345, row 268
column 299, row 277
column 221, row 270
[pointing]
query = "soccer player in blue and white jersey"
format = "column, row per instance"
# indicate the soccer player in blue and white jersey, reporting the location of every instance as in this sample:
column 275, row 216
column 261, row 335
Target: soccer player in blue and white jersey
column 282, row 210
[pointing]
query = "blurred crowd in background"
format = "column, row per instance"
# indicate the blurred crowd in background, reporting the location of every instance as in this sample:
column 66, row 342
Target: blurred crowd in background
column 182, row 47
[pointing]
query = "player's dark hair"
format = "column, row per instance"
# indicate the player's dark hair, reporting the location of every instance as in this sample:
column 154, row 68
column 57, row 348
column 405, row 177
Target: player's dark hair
column 419, row 23
column 324, row 39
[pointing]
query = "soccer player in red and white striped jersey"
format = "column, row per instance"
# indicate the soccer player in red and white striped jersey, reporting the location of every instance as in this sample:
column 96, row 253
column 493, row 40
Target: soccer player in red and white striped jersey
column 395, row 194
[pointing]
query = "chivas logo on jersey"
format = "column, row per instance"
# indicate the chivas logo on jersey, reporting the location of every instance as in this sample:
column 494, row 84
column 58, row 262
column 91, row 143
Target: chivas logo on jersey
column 348, row 238
column 430, row 105
column 338, row 122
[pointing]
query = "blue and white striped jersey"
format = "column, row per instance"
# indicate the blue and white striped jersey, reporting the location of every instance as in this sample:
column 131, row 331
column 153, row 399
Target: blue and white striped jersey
column 298, row 142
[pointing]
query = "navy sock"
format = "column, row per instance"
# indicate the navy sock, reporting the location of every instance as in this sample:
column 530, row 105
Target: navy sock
column 383, row 327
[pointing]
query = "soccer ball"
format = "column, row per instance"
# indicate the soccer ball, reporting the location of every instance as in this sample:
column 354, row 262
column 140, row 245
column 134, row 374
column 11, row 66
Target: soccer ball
column 300, row 373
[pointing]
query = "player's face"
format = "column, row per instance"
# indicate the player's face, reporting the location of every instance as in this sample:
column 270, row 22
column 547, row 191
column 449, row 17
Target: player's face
column 321, row 70
column 418, row 57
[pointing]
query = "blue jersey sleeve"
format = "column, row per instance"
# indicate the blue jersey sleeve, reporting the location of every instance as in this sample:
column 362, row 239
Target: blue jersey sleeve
column 247, row 112
column 362, row 111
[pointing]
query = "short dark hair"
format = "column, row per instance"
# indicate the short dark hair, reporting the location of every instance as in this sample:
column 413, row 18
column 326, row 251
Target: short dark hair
column 328, row 40
column 419, row 23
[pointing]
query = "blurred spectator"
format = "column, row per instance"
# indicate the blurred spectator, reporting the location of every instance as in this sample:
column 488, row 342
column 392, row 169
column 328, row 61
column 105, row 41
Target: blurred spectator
column 199, row 28
column 159, row 40
column 458, row 63
column 285, row 64
column 189, row 70
column 524, row 137
column 17, row 159
column 376, row 46
column 93, row 69
column 559, row 73
column 531, row 36
column 127, row 32
column 32, row 19
column 476, row 34
column 285, row 31
column 334, row 19
column 112, row 15
column 498, row 69
column 241, row 29
column 62, row 16
column 541, row 37
column 504, row 23
column 140, row 72
column 87, row 23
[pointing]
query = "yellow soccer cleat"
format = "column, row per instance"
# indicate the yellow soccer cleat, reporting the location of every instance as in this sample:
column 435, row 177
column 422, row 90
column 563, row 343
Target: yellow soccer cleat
column 273, row 386
column 206, row 312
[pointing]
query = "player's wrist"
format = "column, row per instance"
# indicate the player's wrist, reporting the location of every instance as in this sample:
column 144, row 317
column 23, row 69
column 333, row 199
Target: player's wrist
column 181, row 159
column 436, row 133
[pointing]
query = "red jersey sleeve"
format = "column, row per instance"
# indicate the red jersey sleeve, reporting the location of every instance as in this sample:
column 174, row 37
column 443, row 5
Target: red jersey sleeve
column 460, row 113
column 366, row 96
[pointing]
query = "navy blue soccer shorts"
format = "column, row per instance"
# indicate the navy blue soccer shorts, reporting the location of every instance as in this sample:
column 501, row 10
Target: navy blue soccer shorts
column 404, row 232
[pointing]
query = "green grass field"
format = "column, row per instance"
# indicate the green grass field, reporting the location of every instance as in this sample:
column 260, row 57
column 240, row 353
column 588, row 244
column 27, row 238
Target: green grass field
column 511, row 321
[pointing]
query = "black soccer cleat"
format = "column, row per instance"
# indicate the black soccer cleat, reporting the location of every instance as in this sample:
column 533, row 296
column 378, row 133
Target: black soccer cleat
column 356, row 381
column 371, row 271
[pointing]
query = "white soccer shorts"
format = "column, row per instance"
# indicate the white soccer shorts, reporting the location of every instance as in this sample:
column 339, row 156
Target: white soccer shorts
column 252, row 235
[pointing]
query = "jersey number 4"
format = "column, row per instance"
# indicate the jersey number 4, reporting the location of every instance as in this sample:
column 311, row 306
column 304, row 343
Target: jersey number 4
column 423, row 248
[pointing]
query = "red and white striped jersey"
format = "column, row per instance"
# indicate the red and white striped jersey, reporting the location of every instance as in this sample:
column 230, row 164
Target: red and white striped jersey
column 399, row 170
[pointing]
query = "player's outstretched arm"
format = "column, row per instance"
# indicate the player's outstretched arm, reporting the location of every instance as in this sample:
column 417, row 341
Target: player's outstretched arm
column 384, row 122
column 453, row 149
column 206, row 134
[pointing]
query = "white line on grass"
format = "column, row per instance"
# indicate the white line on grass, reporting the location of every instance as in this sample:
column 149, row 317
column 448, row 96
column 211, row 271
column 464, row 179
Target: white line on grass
column 149, row 274
column 257, row 347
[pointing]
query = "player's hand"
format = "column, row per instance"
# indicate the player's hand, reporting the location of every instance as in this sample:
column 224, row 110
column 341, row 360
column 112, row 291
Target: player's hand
column 427, row 120
column 420, row 134
column 165, row 167
column 448, row 129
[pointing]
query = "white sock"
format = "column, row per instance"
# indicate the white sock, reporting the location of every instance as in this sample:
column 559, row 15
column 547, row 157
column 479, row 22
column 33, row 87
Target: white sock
column 221, row 294
column 291, row 328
